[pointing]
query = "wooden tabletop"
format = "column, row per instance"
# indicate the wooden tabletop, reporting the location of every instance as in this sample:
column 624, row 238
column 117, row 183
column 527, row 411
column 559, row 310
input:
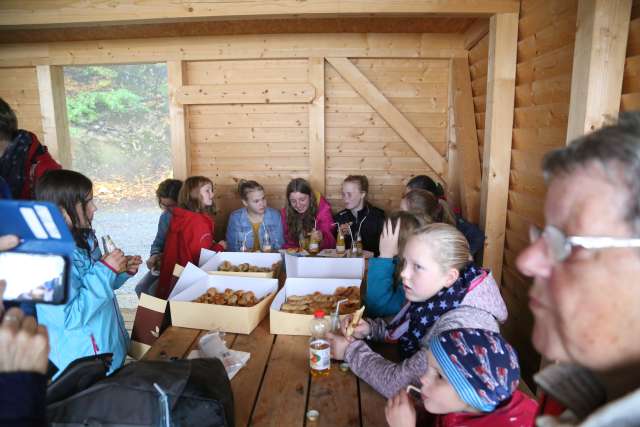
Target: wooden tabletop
column 275, row 388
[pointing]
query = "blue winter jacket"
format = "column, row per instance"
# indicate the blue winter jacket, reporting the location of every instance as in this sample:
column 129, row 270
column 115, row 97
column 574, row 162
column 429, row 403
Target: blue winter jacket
column 90, row 322
column 163, row 226
column 239, row 226
column 382, row 297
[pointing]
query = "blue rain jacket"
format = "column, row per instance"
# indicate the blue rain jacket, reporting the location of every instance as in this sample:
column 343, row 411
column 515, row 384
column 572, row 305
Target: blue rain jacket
column 382, row 298
column 90, row 322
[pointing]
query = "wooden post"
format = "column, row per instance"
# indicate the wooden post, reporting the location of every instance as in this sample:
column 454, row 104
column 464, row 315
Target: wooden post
column 180, row 151
column 53, row 107
column 501, row 78
column 453, row 153
column 467, row 139
column 316, row 126
column 598, row 64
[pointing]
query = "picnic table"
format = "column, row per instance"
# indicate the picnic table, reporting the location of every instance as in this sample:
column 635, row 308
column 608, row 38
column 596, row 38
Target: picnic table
column 275, row 388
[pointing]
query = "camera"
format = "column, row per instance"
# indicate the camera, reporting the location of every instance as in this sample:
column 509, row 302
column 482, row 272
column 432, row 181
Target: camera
column 38, row 269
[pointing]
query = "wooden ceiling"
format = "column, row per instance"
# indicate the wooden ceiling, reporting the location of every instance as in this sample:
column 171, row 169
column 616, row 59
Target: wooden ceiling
column 256, row 26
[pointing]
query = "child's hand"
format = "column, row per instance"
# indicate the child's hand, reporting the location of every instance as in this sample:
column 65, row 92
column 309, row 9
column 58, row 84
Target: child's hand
column 133, row 263
column 154, row 261
column 223, row 244
column 389, row 240
column 400, row 411
column 339, row 345
column 361, row 331
column 116, row 260
column 345, row 229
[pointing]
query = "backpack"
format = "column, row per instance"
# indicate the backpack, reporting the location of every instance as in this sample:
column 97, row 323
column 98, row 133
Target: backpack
column 199, row 394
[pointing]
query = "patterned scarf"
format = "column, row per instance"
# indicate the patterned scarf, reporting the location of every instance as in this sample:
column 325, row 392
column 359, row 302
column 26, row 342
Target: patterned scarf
column 13, row 162
column 416, row 318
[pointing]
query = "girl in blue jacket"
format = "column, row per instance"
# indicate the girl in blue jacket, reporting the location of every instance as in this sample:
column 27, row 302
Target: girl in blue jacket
column 255, row 227
column 90, row 322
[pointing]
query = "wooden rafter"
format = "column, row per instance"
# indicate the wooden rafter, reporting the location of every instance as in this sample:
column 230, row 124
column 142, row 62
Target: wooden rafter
column 15, row 13
column 178, row 122
column 598, row 64
column 394, row 118
column 501, row 78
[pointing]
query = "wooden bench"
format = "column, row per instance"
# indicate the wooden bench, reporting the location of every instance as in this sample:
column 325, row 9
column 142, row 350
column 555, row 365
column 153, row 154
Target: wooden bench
column 275, row 388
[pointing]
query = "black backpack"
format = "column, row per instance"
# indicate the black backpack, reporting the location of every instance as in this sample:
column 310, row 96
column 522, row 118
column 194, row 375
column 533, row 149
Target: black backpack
column 199, row 394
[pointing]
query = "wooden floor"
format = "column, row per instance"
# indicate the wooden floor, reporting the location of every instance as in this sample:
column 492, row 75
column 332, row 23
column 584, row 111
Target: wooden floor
column 276, row 389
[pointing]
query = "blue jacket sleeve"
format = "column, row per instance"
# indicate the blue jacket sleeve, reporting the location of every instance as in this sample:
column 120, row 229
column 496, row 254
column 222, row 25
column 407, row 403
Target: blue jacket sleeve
column 163, row 226
column 92, row 288
column 278, row 235
column 232, row 232
column 381, row 298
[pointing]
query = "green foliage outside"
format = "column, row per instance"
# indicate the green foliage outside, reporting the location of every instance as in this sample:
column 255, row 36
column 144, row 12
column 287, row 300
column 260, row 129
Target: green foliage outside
column 119, row 121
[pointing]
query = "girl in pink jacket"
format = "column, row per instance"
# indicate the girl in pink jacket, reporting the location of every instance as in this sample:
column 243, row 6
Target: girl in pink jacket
column 305, row 210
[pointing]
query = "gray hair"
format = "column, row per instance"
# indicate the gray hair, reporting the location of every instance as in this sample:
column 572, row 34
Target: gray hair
column 616, row 149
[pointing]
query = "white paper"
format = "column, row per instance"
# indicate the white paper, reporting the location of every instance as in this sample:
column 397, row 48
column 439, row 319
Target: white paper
column 189, row 275
column 243, row 356
column 314, row 267
column 206, row 255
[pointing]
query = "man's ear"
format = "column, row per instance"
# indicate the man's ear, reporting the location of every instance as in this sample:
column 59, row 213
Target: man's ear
column 451, row 277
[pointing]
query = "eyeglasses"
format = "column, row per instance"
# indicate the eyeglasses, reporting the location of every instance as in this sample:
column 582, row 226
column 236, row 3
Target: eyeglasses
column 561, row 246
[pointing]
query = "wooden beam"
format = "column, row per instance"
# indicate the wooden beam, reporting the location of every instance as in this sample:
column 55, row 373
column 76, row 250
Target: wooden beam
column 178, row 121
column 316, row 126
column 212, row 48
column 264, row 93
column 53, row 107
column 501, row 78
column 467, row 139
column 476, row 32
column 394, row 118
column 22, row 13
column 452, row 186
column 598, row 64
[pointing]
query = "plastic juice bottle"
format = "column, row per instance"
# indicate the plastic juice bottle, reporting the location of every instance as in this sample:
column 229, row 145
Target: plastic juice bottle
column 340, row 245
column 358, row 245
column 314, row 243
column 108, row 245
column 266, row 243
column 319, row 348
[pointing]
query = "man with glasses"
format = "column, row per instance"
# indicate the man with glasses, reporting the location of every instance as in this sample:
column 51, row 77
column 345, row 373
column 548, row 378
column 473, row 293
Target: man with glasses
column 585, row 266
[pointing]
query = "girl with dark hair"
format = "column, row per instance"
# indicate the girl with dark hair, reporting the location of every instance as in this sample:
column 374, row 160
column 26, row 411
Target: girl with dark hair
column 22, row 158
column 90, row 322
column 167, row 194
column 254, row 227
column 191, row 229
column 359, row 218
column 305, row 211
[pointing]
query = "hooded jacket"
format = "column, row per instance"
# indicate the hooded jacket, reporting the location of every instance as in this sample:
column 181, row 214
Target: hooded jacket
column 188, row 233
column 482, row 308
column 519, row 411
column 90, row 322
column 324, row 222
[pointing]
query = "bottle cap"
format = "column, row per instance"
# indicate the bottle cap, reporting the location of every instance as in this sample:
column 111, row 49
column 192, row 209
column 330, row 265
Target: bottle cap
column 319, row 314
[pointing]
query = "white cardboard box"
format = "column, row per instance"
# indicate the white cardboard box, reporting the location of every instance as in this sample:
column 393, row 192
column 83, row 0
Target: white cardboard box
column 298, row 324
column 194, row 282
column 321, row 267
column 212, row 261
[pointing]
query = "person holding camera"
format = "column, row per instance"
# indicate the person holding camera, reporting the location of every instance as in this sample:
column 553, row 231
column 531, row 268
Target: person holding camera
column 24, row 352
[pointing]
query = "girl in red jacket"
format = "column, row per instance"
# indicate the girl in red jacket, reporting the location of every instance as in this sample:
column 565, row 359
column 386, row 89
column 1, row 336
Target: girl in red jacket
column 191, row 229
column 472, row 381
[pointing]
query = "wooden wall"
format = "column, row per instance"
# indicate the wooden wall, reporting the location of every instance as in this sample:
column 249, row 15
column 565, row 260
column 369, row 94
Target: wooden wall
column 19, row 88
column 359, row 141
column 631, row 82
column 543, row 82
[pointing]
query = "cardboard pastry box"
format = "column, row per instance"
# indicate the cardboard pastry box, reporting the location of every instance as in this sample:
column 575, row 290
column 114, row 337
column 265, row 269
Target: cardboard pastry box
column 210, row 261
column 298, row 324
column 194, row 282
column 321, row 267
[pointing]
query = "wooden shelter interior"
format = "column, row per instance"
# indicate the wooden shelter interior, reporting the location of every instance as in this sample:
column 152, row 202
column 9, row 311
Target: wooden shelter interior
column 470, row 92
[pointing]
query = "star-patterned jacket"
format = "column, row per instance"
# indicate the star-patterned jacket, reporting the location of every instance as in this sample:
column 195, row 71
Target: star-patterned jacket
column 482, row 308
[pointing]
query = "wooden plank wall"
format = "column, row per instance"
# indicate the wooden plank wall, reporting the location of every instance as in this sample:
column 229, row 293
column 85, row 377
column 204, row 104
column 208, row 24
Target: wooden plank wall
column 265, row 142
column 631, row 82
column 359, row 141
column 543, row 82
column 19, row 88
